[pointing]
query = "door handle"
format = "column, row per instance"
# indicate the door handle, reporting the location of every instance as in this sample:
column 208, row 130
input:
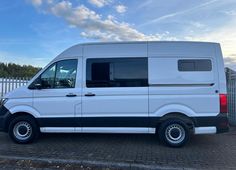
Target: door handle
column 71, row 95
column 90, row 94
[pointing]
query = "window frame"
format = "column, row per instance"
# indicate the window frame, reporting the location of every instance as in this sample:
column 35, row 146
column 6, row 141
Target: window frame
column 179, row 61
column 86, row 64
column 32, row 85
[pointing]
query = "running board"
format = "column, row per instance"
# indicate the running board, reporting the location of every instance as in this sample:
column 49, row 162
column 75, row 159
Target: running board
column 97, row 130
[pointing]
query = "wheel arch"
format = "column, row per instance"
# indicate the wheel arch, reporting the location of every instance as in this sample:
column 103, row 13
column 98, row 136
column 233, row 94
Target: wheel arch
column 173, row 108
column 15, row 115
column 176, row 115
column 24, row 109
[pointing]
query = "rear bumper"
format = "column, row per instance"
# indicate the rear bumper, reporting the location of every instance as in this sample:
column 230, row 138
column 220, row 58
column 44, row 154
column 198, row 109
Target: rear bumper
column 220, row 122
column 4, row 115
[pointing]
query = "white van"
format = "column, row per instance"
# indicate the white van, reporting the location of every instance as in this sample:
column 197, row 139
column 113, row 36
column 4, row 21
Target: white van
column 174, row 89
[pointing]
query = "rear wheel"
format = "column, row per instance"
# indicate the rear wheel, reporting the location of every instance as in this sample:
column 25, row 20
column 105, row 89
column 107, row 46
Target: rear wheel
column 23, row 129
column 174, row 133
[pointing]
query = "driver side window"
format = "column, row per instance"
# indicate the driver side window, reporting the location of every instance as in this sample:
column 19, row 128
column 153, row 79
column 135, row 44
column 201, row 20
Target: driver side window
column 61, row 74
column 47, row 78
column 65, row 74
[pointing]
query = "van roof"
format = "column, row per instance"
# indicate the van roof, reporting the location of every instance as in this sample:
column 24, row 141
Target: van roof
column 142, row 42
column 175, row 46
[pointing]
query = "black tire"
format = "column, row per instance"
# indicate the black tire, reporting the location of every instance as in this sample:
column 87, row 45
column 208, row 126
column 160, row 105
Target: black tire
column 174, row 133
column 23, row 129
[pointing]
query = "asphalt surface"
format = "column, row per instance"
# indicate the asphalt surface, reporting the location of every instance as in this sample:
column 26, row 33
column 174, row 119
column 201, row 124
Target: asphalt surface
column 118, row 151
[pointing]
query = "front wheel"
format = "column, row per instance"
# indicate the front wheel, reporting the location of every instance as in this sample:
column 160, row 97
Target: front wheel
column 23, row 129
column 174, row 133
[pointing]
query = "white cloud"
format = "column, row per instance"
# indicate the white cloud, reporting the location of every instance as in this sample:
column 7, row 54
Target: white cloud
column 167, row 16
column 40, row 4
column 145, row 4
column 121, row 8
column 36, row 2
column 94, row 26
column 230, row 62
column 99, row 3
column 230, row 12
column 197, row 24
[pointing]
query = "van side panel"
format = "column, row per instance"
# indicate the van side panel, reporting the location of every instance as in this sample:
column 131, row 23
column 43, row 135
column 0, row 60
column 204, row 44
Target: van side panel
column 193, row 93
column 164, row 71
column 113, row 106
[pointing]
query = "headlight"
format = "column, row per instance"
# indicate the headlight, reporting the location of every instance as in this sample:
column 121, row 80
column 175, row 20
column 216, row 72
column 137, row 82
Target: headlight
column 3, row 101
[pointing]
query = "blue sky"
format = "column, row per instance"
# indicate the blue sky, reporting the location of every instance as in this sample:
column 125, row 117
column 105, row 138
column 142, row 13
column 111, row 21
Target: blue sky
column 35, row 31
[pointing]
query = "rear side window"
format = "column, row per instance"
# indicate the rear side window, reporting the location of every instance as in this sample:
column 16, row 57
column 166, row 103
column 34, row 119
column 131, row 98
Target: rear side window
column 117, row 72
column 194, row 65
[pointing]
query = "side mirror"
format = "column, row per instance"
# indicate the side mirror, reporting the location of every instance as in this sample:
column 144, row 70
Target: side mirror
column 38, row 86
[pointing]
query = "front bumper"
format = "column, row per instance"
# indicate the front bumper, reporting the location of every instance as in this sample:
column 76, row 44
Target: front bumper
column 220, row 122
column 4, row 115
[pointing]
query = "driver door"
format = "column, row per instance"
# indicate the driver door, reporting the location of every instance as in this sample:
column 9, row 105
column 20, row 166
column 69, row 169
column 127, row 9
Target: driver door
column 59, row 98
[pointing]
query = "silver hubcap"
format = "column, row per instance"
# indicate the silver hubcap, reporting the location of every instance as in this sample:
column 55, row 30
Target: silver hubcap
column 175, row 133
column 22, row 130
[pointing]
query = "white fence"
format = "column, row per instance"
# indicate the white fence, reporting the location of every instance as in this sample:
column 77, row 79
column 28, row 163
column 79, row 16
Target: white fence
column 8, row 84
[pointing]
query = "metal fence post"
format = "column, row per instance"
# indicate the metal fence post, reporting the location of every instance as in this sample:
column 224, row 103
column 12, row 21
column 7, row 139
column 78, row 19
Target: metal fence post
column 231, row 91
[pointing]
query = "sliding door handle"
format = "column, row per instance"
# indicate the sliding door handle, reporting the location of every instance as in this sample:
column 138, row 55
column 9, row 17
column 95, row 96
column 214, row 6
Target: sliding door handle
column 71, row 95
column 90, row 94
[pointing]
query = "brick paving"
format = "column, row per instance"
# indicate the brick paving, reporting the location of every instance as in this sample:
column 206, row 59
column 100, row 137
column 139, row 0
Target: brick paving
column 202, row 152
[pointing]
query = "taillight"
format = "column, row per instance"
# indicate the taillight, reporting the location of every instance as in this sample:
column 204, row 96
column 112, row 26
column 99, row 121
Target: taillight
column 223, row 103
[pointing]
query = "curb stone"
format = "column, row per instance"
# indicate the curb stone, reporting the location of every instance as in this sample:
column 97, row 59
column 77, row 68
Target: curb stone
column 86, row 164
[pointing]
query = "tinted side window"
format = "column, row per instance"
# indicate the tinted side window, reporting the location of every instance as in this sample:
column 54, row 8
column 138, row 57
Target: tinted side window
column 195, row 65
column 117, row 72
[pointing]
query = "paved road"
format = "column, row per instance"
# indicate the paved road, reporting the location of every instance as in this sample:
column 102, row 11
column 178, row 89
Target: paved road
column 203, row 152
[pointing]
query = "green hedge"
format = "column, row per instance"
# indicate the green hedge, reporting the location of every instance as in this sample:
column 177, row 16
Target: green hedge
column 16, row 70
